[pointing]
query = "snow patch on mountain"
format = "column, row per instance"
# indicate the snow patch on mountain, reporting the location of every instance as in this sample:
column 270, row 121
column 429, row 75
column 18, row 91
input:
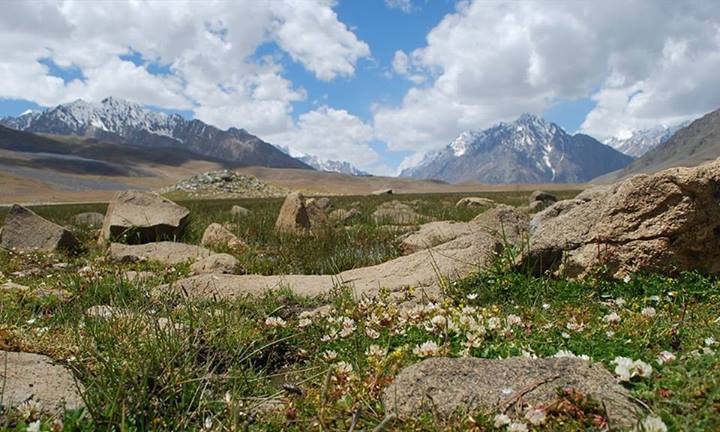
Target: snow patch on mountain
column 637, row 143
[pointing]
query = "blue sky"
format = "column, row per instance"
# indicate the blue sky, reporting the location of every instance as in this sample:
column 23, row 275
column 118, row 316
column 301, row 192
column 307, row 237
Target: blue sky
column 375, row 82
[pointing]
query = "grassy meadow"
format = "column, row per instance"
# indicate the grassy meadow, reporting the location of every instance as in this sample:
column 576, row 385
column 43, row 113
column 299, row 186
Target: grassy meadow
column 287, row 363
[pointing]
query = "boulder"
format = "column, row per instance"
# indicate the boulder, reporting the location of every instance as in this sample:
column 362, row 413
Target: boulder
column 293, row 217
column 505, row 223
column 215, row 263
column 36, row 378
column 90, row 219
column 396, row 212
column 448, row 386
column 239, row 212
column 665, row 222
column 547, row 199
column 476, row 202
column 316, row 214
column 143, row 217
column 169, row 253
column 383, row 192
column 26, row 231
column 324, row 203
column 432, row 234
column 217, row 235
column 343, row 216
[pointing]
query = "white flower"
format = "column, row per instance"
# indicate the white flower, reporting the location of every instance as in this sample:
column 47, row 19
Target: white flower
column 493, row 323
column 609, row 333
column 348, row 327
column 426, row 349
column 565, row 335
column 343, row 368
column 546, row 306
column 627, row 368
column 330, row 355
column 612, row 318
column 652, row 424
column 208, row 423
column 438, row 322
column 514, row 320
column 517, row 427
column 34, row 426
column 501, row 420
column 574, row 325
column 620, row 301
column 472, row 296
column 371, row 333
column 566, row 353
column 648, row 311
column 710, row 341
column 665, row 357
column 273, row 322
column 642, row 369
column 536, row 416
column 627, row 278
column 304, row 322
column 31, row 321
column 376, row 351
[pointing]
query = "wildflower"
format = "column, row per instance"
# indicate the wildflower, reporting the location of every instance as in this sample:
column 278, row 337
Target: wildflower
column 574, row 325
column 565, row 335
column 619, row 302
column 652, row 424
column 348, row 327
column 710, row 341
column 371, row 333
column 609, row 333
column 34, row 426
column 566, row 353
column 31, row 321
column 501, row 420
column 438, row 322
column 426, row 349
column 626, row 368
column 330, row 355
column 642, row 369
column 376, row 351
column 514, row 320
column 665, row 357
column 493, row 323
column 612, row 318
column 517, row 427
column 627, row 278
column 208, row 423
column 343, row 368
column 274, row 322
column 472, row 296
column 546, row 306
column 536, row 416
column 648, row 311
column 304, row 322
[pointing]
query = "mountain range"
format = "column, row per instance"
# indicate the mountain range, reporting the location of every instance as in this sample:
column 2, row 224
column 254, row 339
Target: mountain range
column 335, row 166
column 528, row 150
column 640, row 142
column 119, row 121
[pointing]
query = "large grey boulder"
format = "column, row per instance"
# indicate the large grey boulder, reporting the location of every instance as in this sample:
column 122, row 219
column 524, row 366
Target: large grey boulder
column 27, row 377
column 293, row 217
column 169, row 253
column 26, row 231
column 90, row 219
column 143, row 217
column 432, row 234
column 664, row 222
column 448, row 386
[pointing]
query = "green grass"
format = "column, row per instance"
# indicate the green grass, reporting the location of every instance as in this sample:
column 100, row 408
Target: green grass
column 222, row 361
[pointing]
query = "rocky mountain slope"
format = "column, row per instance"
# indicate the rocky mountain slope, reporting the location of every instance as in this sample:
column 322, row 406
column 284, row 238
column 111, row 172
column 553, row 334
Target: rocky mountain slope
column 528, row 150
column 690, row 146
column 641, row 141
column 125, row 122
column 327, row 165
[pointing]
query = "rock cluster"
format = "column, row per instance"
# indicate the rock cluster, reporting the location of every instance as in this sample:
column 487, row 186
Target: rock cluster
column 225, row 184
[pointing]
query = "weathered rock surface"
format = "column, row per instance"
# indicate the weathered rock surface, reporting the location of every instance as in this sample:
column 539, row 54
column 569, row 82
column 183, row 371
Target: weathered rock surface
column 36, row 378
column 324, row 203
column 108, row 312
column 90, row 219
column 12, row 286
column 383, row 192
column 217, row 235
column 432, row 234
column 664, row 222
column 26, row 231
column 475, row 202
column 164, row 252
column 238, row 211
column 423, row 270
column 396, row 212
column 545, row 198
column 316, row 214
column 344, row 216
column 215, row 263
column 138, row 276
column 451, row 385
column 504, row 222
column 143, row 217
column 293, row 215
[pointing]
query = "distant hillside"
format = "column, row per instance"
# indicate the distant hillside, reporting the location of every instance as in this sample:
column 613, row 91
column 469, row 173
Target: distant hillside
column 124, row 122
column 690, row 146
column 642, row 141
column 528, row 150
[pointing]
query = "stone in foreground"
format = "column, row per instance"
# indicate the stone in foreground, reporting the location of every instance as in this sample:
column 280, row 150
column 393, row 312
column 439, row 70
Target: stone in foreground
column 26, row 231
column 169, row 253
column 143, row 217
column 35, row 378
column 217, row 235
column 215, row 263
column 666, row 222
column 448, row 386
column 293, row 217
column 432, row 234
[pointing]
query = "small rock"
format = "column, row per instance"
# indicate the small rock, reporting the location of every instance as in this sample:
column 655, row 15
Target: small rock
column 344, row 216
column 217, row 235
column 477, row 202
column 293, row 215
column 12, row 286
column 324, row 203
column 398, row 213
column 316, row 215
column 216, row 263
column 546, row 198
column 143, row 217
column 239, row 212
column 26, row 231
column 108, row 312
column 90, row 220
column 36, row 378
column 164, row 252
column 383, row 192
column 432, row 234
column 138, row 276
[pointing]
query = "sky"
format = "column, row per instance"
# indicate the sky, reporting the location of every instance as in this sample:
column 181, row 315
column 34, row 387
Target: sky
column 377, row 83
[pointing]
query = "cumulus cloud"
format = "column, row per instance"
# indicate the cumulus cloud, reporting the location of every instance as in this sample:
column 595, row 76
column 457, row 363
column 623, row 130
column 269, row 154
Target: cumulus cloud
column 331, row 134
column 643, row 62
column 207, row 54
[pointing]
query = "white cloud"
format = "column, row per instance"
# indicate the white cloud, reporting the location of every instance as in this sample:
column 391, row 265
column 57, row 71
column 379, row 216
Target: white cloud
column 403, row 5
column 492, row 60
column 208, row 50
column 331, row 134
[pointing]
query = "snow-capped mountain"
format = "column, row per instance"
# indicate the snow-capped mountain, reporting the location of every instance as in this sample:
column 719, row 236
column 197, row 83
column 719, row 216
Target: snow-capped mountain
column 327, row 165
column 528, row 150
column 126, row 122
column 639, row 142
